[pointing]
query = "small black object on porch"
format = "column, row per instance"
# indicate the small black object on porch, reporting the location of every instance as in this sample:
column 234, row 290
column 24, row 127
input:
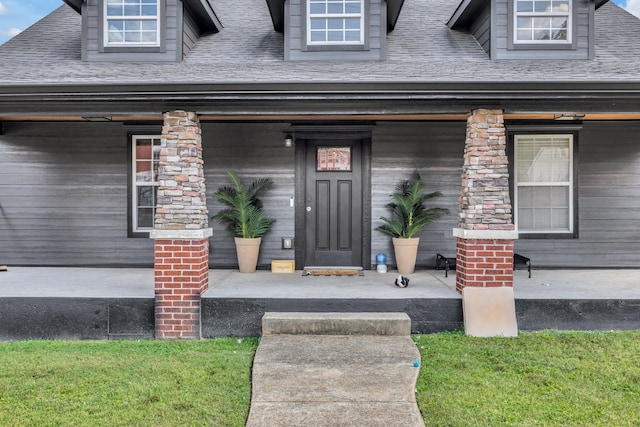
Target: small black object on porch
column 522, row 261
column 446, row 263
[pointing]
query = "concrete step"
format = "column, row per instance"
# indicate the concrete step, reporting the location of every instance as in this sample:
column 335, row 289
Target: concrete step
column 391, row 324
column 331, row 368
column 335, row 380
column 332, row 414
column 328, row 383
column 309, row 350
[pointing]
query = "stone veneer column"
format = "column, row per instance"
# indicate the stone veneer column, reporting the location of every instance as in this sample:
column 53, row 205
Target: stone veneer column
column 181, row 233
column 484, row 255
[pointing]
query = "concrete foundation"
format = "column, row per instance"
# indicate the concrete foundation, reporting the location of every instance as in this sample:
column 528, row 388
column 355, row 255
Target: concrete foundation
column 87, row 303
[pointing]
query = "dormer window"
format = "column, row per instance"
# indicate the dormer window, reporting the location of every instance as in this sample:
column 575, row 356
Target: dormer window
column 132, row 23
column 542, row 21
column 335, row 22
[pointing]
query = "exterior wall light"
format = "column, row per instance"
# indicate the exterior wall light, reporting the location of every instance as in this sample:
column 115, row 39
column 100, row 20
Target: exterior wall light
column 288, row 141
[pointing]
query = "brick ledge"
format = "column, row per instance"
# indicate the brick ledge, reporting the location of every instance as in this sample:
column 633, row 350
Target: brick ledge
column 485, row 234
column 181, row 234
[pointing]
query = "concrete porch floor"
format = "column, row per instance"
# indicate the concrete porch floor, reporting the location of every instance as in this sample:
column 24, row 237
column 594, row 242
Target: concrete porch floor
column 138, row 283
column 118, row 303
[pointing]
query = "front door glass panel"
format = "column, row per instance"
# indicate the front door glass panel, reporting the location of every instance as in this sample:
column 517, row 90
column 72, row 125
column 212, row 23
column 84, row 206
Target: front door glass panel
column 333, row 159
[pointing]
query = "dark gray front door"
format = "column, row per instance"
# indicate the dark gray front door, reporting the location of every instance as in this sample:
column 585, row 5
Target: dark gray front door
column 333, row 203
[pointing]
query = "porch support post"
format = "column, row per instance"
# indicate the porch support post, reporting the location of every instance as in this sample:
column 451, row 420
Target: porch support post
column 484, row 256
column 181, row 233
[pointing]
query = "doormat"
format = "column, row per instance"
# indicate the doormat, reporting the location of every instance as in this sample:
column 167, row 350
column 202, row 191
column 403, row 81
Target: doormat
column 332, row 271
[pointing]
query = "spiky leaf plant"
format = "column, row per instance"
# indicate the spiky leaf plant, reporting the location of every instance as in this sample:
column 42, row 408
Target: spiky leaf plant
column 409, row 215
column 243, row 215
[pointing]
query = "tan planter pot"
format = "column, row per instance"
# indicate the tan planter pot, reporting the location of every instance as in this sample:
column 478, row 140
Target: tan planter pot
column 247, row 251
column 406, row 251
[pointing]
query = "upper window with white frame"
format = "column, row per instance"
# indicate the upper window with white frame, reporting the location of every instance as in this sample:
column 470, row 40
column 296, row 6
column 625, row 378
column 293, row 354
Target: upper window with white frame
column 335, row 22
column 145, row 155
column 544, row 183
column 132, row 22
column 542, row 21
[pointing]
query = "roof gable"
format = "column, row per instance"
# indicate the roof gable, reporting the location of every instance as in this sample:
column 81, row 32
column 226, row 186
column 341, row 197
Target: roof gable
column 468, row 10
column 276, row 10
column 495, row 26
column 203, row 13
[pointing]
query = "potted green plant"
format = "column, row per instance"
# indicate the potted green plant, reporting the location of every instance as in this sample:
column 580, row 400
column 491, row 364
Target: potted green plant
column 409, row 215
column 244, row 218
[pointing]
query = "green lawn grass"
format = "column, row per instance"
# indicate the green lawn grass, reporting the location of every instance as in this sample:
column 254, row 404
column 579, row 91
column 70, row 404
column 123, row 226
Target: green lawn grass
column 125, row 383
column 537, row 379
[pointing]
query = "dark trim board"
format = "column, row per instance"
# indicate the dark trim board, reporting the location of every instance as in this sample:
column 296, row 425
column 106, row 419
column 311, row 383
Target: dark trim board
column 581, row 315
column 347, row 98
column 24, row 318
column 242, row 317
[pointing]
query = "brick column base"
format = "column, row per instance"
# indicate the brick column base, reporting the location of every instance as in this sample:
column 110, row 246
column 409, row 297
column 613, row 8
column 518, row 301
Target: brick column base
column 181, row 275
column 482, row 261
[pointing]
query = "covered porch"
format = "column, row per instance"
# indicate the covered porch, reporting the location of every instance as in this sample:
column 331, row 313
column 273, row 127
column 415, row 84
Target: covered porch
column 80, row 282
column 116, row 303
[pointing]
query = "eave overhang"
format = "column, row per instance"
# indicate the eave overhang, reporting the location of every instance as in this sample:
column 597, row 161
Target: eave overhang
column 276, row 10
column 466, row 12
column 393, row 13
column 204, row 15
column 75, row 5
column 320, row 98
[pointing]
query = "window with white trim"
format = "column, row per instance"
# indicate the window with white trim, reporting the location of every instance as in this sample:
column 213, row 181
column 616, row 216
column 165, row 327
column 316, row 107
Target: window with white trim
column 543, row 187
column 542, row 21
column 132, row 23
column 335, row 22
column 144, row 162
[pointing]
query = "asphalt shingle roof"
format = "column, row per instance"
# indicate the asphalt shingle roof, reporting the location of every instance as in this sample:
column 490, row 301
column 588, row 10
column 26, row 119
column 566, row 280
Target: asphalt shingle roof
column 248, row 50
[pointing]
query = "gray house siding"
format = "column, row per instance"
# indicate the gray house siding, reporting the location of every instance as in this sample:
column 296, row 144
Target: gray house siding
column 63, row 196
column 295, row 36
column 504, row 48
column 63, row 191
column 253, row 151
column 435, row 150
column 609, row 203
column 190, row 32
column 481, row 28
column 170, row 36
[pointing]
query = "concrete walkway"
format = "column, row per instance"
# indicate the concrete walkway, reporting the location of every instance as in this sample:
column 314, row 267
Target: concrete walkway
column 335, row 369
